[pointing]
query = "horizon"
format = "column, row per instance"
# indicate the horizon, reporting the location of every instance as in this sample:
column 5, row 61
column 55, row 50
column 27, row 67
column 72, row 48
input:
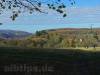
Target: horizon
column 54, row 29
column 81, row 15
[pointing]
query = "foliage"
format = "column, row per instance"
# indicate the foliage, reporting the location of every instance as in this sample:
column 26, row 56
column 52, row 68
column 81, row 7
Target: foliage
column 38, row 33
column 53, row 40
column 20, row 6
column 56, row 39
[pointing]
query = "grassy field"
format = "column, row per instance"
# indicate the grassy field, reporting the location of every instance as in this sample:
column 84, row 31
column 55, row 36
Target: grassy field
column 17, row 54
column 89, row 49
column 64, row 61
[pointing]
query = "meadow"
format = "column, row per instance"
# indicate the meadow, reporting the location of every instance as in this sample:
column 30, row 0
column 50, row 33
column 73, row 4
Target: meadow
column 63, row 61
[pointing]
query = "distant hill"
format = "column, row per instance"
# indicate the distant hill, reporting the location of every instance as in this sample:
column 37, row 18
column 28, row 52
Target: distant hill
column 73, row 30
column 13, row 34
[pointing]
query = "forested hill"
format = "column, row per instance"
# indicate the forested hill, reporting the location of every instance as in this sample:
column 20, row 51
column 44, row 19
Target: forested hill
column 58, row 38
column 69, row 37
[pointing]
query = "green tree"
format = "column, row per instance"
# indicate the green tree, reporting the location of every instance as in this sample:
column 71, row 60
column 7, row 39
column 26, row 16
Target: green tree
column 96, row 36
column 54, row 40
column 43, row 32
column 64, row 43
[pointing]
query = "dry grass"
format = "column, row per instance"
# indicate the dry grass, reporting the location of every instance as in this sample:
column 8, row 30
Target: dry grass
column 89, row 49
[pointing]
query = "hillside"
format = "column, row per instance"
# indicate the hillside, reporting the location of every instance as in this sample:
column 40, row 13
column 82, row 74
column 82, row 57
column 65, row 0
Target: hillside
column 54, row 38
column 74, row 30
column 69, row 37
column 12, row 34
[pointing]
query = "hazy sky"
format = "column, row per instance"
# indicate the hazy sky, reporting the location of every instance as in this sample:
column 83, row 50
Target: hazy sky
column 83, row 14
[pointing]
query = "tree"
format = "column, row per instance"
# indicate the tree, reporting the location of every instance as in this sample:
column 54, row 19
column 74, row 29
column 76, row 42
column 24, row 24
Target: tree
column 53, row 40
column 96, row 36
column 43, row 32
column 17, row 6
column 64, row 43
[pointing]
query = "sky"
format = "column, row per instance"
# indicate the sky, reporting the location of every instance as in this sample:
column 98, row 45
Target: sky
column 82, row 15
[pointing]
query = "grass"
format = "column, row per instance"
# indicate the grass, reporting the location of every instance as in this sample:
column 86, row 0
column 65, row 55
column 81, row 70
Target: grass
column 64, row 61
column 83, row 49
column 91, row 49
column 16, row 53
